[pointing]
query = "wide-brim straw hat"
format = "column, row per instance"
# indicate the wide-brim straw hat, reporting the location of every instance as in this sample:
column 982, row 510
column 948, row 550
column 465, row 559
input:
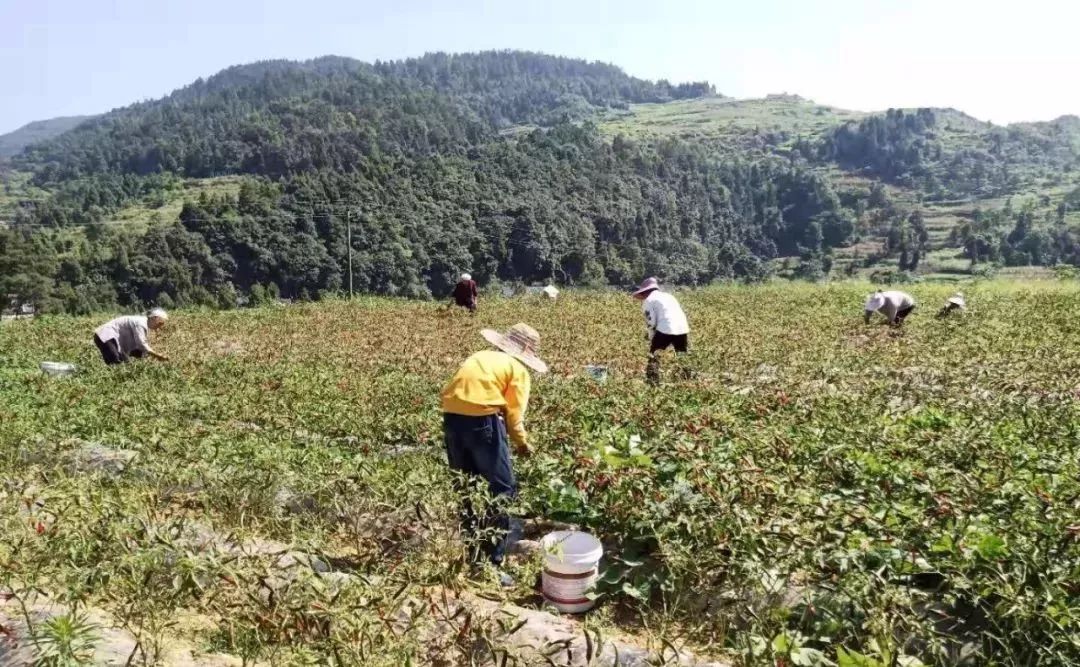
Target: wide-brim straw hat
column 874, row 302
column 649, row 285
column 957, row 300
column 521, row 342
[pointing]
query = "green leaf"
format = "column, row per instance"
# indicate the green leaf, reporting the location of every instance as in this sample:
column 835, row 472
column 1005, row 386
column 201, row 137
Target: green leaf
column 991, row 547
column 612, row 575
column 808, row 657
column 848, row 658
column 632, row 591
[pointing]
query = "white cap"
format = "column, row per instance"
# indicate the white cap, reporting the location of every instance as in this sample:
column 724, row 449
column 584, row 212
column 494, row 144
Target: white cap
column 466, row 276
column 159, row 313
column 875, row 302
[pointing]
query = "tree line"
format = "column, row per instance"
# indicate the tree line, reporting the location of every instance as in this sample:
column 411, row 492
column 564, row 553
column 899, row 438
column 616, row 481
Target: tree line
column 562, row 203
column 1021, row 236
column 909, row 148
column 487, row 162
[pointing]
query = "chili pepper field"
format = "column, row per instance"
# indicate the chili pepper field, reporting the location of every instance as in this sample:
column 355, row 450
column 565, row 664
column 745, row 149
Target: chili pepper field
column 807, row 489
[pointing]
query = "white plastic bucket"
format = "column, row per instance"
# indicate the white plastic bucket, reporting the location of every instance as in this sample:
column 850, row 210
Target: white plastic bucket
column 571, row 568
column 57, row 368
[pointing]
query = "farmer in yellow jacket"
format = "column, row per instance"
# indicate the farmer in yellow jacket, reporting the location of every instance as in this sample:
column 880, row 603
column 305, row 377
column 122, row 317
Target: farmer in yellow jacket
column 483, row 404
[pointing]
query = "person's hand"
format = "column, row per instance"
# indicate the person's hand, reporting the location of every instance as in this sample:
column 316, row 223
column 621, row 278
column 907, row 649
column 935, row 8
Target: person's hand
column 524, row 451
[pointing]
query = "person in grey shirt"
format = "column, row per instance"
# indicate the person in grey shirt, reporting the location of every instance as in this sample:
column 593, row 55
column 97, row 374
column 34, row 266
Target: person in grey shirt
column 893, row 304
column 124, row 337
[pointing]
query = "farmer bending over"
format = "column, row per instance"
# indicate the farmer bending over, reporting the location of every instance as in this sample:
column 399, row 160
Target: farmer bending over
column 954, row 304
column 465, row 293
column 126, row 337
column 665, row 324
column 486, row 398
column 894, row 305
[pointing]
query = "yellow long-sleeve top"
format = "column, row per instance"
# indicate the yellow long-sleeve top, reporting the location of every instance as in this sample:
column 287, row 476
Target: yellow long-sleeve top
column 490, row 382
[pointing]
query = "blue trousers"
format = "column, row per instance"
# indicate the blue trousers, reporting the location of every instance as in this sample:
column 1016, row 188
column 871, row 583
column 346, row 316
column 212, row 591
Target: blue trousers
column 478, row 447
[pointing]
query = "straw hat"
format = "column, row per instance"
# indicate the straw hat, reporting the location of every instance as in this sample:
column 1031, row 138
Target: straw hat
column 957, row 300
column 159, row 313
column 875, row 302
column 649, row 285
column 521, row 342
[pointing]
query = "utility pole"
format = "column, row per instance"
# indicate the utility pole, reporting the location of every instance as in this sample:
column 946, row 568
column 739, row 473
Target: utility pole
column 348, row 222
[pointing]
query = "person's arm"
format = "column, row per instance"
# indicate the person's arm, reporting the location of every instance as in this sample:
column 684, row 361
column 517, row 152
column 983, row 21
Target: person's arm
column 145, row 344
column 866, row 319
column 475, row 293
column 517, row 400
column 650, row 320
column 890, row 310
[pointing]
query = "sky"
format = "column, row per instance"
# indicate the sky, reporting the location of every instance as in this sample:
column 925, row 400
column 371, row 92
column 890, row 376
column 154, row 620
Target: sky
column 1003, row 61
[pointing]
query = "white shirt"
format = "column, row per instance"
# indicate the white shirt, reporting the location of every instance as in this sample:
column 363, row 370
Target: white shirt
column 664, row 314
column 889, row 303
column 129, row 331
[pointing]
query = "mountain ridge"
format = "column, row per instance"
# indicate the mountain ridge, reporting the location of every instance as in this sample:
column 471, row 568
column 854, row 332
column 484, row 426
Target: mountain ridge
column 605, row 177
column 12, row 143
column 341, row 65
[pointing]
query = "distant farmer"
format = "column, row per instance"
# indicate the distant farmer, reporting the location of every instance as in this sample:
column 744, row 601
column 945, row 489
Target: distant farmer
column 894, row 305
column 551, row 292
column 665, row 324
column 954, row 304
column 485, row 400
column 465, row 293
column 126, row 337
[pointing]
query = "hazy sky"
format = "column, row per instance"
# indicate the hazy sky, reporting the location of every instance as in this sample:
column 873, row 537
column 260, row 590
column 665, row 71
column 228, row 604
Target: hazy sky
column 997, row 60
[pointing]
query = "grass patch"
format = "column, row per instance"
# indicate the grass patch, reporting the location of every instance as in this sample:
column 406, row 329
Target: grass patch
column 144, row 213
column 721, row 117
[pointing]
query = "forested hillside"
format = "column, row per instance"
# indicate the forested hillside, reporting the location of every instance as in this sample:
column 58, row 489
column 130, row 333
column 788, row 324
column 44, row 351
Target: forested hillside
column 14, row 142
column 506, row 164
column 277, row 118
column 947, row 154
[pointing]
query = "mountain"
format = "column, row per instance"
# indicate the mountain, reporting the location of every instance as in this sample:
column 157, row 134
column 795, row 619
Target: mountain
column 278, row 117
column 518, row 166
column 14, row 142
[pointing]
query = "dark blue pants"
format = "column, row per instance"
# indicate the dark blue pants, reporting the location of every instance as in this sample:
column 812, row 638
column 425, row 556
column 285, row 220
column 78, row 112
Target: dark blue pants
column 478, row 447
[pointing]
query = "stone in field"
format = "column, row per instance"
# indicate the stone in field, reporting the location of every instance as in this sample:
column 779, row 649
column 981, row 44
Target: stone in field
column 95, row 457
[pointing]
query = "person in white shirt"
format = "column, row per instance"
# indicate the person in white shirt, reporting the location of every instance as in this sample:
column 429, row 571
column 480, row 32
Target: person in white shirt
column 124, row 337
column 665, row 323
column 893, row 304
